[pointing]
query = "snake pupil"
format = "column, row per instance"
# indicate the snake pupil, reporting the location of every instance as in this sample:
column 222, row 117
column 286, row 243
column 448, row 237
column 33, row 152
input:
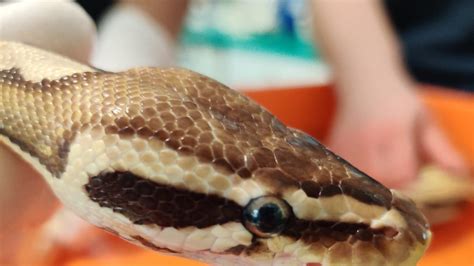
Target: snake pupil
column 266, row 216
column 270, row 218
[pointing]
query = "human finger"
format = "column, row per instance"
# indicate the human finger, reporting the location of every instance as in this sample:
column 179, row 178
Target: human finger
column 437, row 149
column 395, row 162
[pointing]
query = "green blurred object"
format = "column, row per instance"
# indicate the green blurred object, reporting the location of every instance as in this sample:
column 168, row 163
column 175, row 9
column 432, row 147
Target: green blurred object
column 272, row 42
column 252, row 44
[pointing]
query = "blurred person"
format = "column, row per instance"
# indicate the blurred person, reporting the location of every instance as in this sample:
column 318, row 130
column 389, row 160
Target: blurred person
column 381, row 125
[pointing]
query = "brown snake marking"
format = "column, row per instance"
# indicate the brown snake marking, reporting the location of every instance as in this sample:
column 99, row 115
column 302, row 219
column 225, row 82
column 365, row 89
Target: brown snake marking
column 145, row 202
column 198, row 118
column 287, row 163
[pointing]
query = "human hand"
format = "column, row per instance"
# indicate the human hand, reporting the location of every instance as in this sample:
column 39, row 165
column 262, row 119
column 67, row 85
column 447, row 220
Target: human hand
column 389, row 134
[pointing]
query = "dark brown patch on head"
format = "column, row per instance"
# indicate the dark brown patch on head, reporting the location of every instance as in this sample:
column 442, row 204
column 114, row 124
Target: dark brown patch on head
column 333, row 177
column 244, row 172
column 358, row 188
column 147, row 202
column 364, row 192
column 330, row 190
column 364, row 188
column 311, row 188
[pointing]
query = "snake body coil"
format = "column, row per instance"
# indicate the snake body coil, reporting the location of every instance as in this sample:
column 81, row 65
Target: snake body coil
column 177, row 162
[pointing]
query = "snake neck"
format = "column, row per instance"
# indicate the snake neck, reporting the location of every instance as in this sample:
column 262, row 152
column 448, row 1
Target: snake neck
column 42, row 118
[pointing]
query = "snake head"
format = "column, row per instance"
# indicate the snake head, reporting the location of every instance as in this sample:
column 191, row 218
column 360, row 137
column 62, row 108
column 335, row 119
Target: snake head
column 333, row 214
column 229, row 183
column 177, row 162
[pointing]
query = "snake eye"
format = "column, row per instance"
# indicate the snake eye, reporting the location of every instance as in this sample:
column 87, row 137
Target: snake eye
column 266, row 216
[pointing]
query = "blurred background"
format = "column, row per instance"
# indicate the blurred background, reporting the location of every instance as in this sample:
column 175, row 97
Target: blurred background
column 244, row 44
column 386, row 84
column 272, row 42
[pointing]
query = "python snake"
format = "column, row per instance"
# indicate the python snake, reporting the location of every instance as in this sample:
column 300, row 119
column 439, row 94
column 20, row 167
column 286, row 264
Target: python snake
column 177, row 162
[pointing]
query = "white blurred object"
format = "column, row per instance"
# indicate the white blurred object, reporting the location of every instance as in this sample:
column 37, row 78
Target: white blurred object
column 254, row 70
column 59, row 26
column 242, row 18
column 129, row 38
column 238, row 18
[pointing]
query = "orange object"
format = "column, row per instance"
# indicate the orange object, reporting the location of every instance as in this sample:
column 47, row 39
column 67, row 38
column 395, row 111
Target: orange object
column 311, row 110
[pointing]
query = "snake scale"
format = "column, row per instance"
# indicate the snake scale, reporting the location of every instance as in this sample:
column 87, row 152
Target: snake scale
column 177, row 162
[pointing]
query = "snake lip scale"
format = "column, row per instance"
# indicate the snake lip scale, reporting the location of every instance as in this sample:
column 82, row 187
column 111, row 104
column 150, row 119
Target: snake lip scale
column 177, row 162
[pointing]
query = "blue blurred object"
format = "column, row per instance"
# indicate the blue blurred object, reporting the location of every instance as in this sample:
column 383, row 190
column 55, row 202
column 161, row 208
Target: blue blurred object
column 285, row 17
